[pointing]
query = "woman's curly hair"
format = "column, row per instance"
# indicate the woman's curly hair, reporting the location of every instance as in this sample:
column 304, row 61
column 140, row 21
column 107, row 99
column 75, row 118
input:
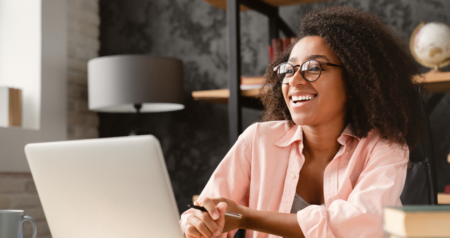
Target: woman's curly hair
column 378, row 73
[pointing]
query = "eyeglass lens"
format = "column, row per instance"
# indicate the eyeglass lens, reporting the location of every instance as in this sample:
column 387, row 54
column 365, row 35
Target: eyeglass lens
column 310, row 70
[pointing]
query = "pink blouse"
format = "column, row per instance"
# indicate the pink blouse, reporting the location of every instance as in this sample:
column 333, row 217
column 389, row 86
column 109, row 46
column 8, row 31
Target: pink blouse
column 261, row 172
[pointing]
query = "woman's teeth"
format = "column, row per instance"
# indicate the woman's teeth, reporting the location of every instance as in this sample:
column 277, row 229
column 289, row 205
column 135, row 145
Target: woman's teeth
column 302, row 98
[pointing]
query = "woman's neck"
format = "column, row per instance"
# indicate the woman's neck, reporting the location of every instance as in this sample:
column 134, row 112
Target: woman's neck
column 320, row 142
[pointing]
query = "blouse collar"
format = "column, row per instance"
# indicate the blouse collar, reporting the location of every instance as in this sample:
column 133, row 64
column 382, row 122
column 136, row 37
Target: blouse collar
column 295, row 133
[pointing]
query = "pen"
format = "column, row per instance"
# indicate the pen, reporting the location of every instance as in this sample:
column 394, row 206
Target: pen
column 227, row 214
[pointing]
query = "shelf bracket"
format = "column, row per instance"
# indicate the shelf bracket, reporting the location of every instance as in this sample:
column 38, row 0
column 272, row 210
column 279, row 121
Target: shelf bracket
column 276, row 23
column 261, row 7
column 287, row 31
column 273, row 28
column 234, row 71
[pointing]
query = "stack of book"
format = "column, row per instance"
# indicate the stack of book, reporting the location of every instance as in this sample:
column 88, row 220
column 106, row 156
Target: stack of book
column 280, row 45
column 423, row 221
column 10, row 107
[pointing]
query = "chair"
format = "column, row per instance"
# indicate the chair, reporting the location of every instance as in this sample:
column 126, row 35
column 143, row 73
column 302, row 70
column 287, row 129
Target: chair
column 421, row 185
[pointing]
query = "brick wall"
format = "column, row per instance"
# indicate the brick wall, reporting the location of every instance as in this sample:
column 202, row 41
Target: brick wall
column 83, row 23
column 17, row 190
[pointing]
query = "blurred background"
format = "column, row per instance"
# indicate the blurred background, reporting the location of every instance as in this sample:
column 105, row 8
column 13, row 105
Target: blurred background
column 194, row 140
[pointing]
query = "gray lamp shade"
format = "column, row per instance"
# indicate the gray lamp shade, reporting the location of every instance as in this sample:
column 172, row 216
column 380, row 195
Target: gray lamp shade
column 116, row 83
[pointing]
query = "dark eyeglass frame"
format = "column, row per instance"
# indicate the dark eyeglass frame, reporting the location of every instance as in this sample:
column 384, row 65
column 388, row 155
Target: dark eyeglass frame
column 301, row 72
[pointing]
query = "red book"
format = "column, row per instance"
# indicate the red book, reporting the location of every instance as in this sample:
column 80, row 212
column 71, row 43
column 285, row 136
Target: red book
column 271, row 53
column 286, row 43
column 277, row 47
column 447, row 189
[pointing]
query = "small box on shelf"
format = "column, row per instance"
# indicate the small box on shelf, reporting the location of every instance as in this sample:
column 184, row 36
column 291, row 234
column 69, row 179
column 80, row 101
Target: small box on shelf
column 10, row 107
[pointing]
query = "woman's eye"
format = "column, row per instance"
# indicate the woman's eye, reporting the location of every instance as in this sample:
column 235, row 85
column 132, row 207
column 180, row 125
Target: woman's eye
column 313, row 69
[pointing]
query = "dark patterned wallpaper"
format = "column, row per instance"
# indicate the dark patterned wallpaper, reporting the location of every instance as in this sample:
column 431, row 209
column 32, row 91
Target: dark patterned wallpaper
column 195, row 139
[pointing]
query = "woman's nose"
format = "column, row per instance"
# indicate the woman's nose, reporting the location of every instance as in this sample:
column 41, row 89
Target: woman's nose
column 297, row 79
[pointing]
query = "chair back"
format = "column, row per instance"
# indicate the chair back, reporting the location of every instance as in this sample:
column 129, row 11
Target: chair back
column 420, row 184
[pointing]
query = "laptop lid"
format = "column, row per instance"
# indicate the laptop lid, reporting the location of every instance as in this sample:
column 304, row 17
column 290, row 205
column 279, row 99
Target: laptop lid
column 115, row 188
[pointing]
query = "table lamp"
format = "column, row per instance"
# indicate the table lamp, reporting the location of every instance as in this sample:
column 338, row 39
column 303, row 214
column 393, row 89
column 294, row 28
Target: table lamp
column 135, row 83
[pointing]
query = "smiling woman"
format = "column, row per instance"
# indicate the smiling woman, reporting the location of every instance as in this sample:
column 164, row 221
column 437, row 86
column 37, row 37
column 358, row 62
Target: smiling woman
column 340, row 116
column 377, row 72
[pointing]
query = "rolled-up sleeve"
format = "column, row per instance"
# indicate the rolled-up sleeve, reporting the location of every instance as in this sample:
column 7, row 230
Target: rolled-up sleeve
column 360, row 215
column 231, row 179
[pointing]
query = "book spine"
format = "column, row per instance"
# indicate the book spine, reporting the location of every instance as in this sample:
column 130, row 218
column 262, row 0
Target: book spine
column 271, row 53
column 11, row 106
column 286, row 43
column 277, row 47
column 18, row 107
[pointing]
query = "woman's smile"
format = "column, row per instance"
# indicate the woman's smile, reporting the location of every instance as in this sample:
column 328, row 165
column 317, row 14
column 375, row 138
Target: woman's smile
column 299, row 100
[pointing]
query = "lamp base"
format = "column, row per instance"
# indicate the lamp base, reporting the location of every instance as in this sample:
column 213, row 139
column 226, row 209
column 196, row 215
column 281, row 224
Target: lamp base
column 137, row 130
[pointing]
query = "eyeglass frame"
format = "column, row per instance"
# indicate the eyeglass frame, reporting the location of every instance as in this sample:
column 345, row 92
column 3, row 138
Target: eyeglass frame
column 300, row 65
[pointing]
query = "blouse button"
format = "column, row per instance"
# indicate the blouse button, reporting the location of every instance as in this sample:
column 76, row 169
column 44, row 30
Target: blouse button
column 292, row 176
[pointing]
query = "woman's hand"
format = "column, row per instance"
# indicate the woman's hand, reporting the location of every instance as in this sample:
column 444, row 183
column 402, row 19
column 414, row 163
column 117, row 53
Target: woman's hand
column 230, row 223
column 212, row 223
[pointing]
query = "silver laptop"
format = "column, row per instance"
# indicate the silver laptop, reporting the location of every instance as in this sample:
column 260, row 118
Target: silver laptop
column 115, row 188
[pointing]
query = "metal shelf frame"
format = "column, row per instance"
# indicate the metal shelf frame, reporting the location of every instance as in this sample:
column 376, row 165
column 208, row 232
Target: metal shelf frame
column 276, row 23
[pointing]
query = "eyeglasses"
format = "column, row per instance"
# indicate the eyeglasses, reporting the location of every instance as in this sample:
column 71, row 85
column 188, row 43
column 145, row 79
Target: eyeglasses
column 310, row 70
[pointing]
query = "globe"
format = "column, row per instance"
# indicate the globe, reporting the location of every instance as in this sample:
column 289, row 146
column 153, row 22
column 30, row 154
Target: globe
column 430, row 44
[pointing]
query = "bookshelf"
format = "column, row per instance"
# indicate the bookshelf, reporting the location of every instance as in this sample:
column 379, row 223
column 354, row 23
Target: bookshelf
column 437, row 83
column 433, row 82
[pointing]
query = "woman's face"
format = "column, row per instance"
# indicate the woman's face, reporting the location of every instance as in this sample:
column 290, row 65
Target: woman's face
column 327, row 92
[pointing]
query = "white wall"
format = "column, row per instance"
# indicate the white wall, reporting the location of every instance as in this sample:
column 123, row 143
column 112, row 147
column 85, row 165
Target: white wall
column 48, row 39
column 20, row 54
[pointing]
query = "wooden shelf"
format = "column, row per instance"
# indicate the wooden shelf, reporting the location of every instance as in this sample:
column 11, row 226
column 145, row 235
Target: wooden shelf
column 222, row 4
column 436, row 82
column 433, row 82
column 221, row 95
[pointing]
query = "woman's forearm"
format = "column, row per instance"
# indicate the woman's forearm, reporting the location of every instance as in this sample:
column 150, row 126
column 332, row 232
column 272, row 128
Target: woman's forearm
column 280, row 224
